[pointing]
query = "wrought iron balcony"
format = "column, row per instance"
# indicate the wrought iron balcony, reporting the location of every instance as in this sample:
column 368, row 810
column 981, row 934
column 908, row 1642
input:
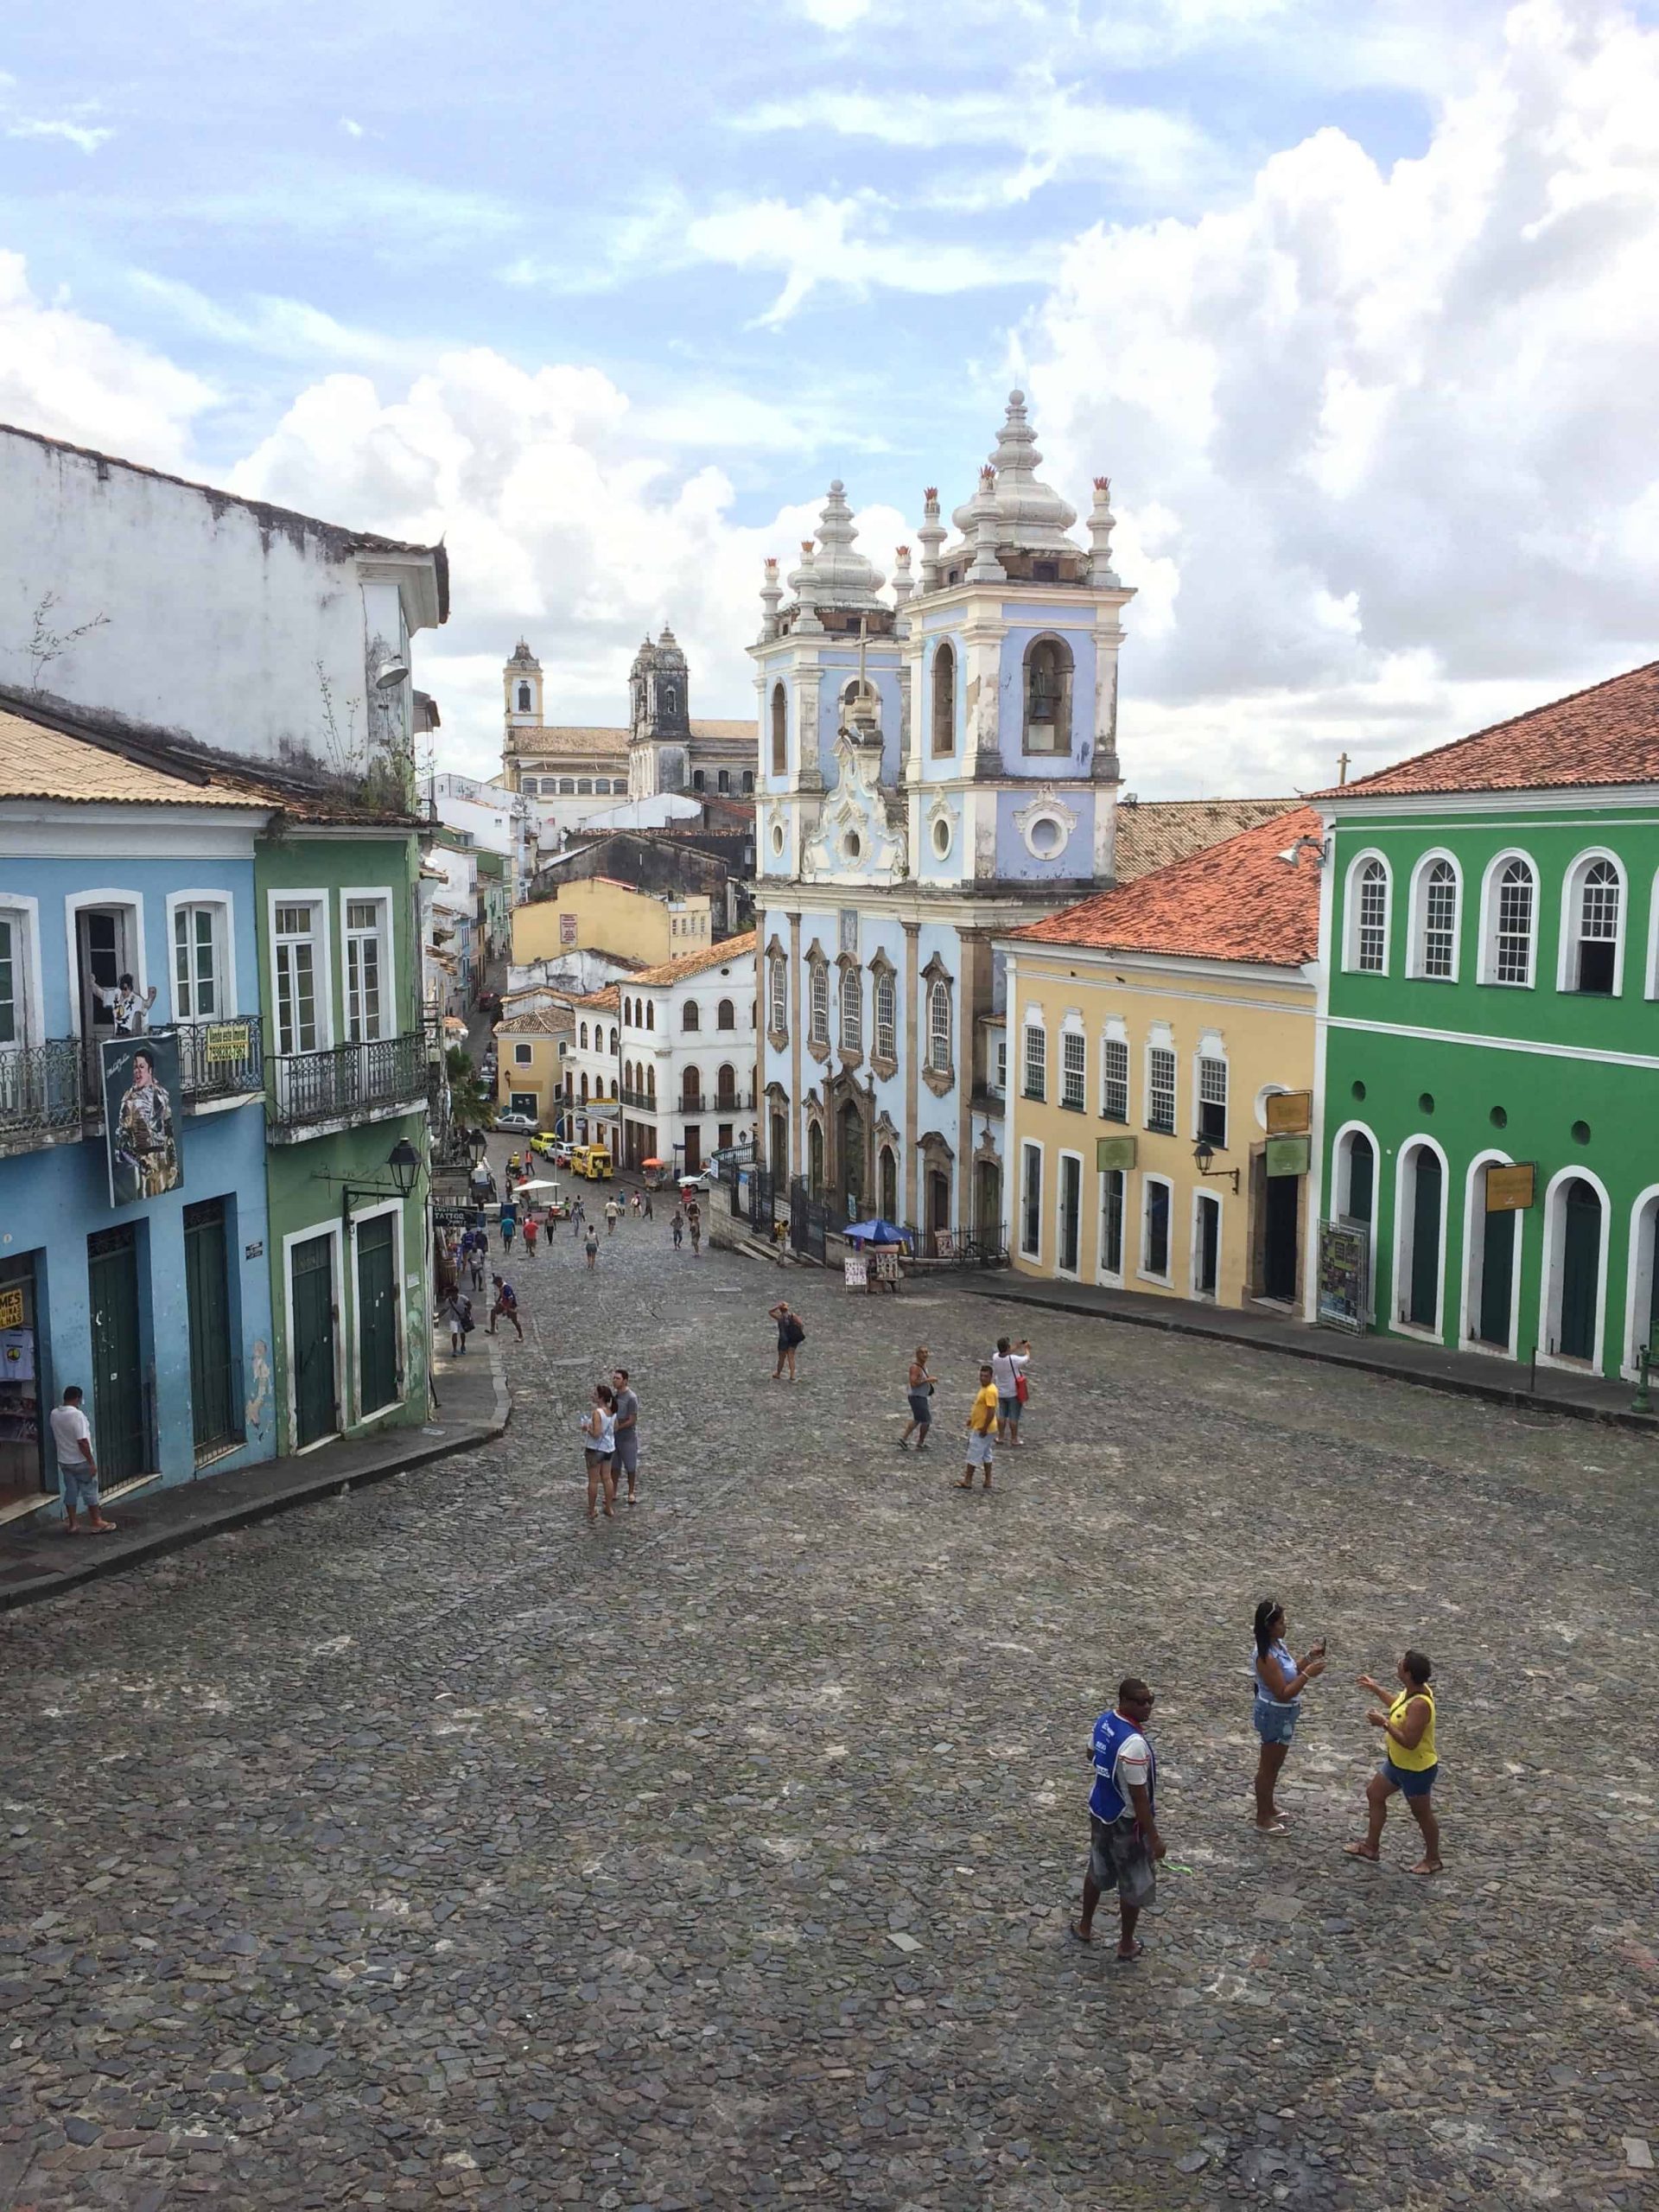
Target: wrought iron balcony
column 711, row 1101
column 348, row 1083
column 221, row 1059
column 644, row 1100
column 53, row 1093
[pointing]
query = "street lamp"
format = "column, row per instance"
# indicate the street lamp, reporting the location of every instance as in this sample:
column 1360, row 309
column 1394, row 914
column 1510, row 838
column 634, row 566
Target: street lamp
column 403, row 1162
column 1202, row 1153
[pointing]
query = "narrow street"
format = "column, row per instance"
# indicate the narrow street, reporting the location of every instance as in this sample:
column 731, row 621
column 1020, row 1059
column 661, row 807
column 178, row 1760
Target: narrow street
column 429, row 1847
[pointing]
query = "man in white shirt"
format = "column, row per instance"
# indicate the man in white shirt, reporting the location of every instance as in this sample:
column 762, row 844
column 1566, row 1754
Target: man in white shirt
column 71, row 1437
column 129, row 1007
column 1009, row 1363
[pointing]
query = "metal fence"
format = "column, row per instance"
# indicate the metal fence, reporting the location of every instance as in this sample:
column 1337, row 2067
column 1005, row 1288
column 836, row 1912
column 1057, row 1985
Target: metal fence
column 347, row 1080
column 808, row 1223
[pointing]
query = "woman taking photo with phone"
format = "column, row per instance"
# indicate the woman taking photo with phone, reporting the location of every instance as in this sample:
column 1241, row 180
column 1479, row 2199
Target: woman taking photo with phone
column 1279, row 1681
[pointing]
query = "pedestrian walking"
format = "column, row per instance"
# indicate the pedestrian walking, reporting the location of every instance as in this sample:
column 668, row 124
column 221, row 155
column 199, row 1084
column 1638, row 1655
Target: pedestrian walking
column 457, row 1310
column 506, row 1302
column 532, row 1229
column 694, row 1223
column 919, row 1389
column 612, row 1210
column 648, row 1212
column 633, row 1204
column 626, row 1461
column 1124, row 1845
column 678, row 1227
column 1410, row 1761
column 476, row 1245
column 1279, row 1681
column 592, row 1247
column 509, row 1223
column 1008, row 1365
column 982, row 1431
column 72, row 1439
column 792, row 1335
column 598, row 1427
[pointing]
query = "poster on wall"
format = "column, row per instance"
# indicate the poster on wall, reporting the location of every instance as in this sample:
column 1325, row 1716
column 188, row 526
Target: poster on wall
column 567, row 929
column 143, row 1097
column 1344, row 1275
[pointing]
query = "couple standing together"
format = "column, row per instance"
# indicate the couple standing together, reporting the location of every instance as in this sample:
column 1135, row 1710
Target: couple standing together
column 610, row 1442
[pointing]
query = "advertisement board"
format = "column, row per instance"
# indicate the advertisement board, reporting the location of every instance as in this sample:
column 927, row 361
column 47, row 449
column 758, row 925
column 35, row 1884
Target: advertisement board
column 1345, row 1275
column 143, row 1116
column 1510, row 1190
column 1289, row 1113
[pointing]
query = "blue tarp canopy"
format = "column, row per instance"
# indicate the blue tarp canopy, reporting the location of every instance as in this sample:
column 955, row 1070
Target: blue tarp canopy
column 875, row 1232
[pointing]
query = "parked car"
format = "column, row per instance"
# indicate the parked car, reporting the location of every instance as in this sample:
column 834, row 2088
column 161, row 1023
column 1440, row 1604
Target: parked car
column 704, row 1180
column 548, row 1147
column 516, row 1125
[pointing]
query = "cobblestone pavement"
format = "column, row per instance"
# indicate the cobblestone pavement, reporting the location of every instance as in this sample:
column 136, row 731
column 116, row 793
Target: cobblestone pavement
column 428, row 1848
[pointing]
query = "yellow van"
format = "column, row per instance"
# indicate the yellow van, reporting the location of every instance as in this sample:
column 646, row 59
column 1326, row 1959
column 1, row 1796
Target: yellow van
column 592, row 1160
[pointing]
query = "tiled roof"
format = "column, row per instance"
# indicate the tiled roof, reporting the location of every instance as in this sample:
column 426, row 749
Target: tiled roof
column 698, row 963
column 546, row 1022
column 607, row 1001
column 1154, row 832
column 1236, row 900
column 734, row 730
column 1608, row 735
column 39, row 763
column 568, row 738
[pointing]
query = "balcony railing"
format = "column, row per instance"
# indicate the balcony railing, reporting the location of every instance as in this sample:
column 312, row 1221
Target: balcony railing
column 347, row 1082
column 55, row 1091
column 713, row 1102
column 644, row 1100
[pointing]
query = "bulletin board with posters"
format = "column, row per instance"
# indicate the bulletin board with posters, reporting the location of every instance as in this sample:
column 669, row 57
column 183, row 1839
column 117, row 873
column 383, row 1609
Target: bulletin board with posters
column 1345, row 1275
column 858, row 1271
column 144, row 1116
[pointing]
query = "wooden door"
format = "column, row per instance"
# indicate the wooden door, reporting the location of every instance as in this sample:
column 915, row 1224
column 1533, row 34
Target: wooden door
column 120, row 1433
column 316, row 1413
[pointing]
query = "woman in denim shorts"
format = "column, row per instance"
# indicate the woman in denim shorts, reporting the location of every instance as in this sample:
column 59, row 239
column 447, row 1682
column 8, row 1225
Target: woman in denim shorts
column 1278, row 1683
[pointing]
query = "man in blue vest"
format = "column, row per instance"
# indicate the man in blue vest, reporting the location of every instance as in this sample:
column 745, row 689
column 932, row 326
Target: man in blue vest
column 1124, row 1842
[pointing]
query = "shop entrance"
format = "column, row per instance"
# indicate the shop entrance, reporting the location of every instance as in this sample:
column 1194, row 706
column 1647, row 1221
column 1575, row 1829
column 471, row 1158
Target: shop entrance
column 22, row 1462
column 120, row 1438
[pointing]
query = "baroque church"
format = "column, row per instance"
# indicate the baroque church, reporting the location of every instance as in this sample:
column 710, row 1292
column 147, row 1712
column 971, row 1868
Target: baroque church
column 938, row 767
column 582, row 768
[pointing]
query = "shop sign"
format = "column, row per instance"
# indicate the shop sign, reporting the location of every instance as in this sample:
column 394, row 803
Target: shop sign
column 857, row 1269
column 224, row 1040
column 1114, row 1152
column 1290, row 1113
column 11, row 1309
column 1288, row 1156
column 1510, row 1190
column 1344, row 1272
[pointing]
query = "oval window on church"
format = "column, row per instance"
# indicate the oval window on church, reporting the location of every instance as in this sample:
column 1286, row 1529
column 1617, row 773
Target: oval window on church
column 777, row 838
column 851, row 846
column 1046, row 837
column 942, row 838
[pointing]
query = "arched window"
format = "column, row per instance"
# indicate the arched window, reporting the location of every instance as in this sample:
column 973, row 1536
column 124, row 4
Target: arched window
column 887, row 1174
column 852, row 1010
column 691, row 1015
column 651, row 1014
column 584, row 786
column 813, row 1156
column 748, row 779
column 817, row 1026
column 1593, row 927
column 886, row 1017
column 1048, row 695
column 726, row 1086
column 699, row 781
column 1368, row 915
column 529, row 786
column 944, row 702
column 725, row 1015
column 692, row 1091
column 567, row 786
column 938, row 1028
column 612, row 1040
column 584, row 1036
column 779, row 731
column 722, row 781
column 584, row 1087
column 1509, row 921
column 778, row 992
column 650, row 1082
column 1435, row 899
column 524, row 698
column 671, row 700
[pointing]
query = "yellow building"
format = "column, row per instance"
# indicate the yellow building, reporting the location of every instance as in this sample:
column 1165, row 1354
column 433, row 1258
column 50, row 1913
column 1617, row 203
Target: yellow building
column 529, row 1055
column 1147, row 1031
column 599, row 913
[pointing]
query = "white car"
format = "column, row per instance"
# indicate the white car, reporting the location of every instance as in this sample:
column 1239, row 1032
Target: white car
column 516, row 1125
column 705, row 1181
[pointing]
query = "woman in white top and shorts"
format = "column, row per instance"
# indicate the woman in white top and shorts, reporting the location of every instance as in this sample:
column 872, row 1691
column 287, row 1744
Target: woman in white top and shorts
column 1277, row 1705
column 598, row 1449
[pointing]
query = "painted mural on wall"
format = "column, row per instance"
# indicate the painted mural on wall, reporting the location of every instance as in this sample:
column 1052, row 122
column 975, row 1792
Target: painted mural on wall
column 142, row 1095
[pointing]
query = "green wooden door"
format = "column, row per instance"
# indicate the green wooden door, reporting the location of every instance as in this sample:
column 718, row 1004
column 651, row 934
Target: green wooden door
column 120, row 1433
column 1361, row 1177
column 213, row 1418
column 312, row 1350
column 1580, row 1270
column 1496, row 1278
column 1425, row 1297
column 376, row 1313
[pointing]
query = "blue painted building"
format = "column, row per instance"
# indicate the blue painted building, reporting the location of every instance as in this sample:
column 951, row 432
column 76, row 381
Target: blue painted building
column 937, row 768
column 146, row 1282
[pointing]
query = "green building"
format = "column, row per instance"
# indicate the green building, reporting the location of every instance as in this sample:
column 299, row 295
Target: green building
column 346, row 1150
column 1492, row 1004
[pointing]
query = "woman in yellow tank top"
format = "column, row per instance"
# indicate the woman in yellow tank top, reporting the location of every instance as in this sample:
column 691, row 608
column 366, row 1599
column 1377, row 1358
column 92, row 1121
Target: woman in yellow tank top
column 1410, row 1761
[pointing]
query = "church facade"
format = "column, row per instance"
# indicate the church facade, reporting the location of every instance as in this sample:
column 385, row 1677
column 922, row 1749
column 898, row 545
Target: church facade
column 936, row 769
column 573, row 771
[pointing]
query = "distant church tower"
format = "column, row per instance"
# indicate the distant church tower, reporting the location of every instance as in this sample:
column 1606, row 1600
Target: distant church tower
column 521, row 693
column 659, row 719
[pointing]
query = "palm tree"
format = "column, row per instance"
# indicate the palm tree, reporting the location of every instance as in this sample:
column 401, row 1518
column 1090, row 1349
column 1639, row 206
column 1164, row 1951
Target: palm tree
column 471, row 1107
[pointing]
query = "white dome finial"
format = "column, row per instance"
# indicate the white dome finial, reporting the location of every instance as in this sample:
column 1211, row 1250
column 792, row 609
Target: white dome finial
column 1032, row 516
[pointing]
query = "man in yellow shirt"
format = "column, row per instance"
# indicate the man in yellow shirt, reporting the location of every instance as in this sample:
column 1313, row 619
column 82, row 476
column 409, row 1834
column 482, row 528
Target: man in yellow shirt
column 982, row 1431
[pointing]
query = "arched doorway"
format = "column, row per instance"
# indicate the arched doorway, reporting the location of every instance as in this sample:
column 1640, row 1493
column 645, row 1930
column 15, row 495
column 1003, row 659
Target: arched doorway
column 815, row 1158
column 938, row 1198
column 988, row 1201
column 1359, row 1193
column 778, row 1145
column 1578, row 1299
column 1417, row 1291
column 887, row 1180
column 1492, row 1248
column 849, row 1131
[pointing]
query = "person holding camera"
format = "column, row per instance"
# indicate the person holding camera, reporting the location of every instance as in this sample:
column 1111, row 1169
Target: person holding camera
column 1279, row 1681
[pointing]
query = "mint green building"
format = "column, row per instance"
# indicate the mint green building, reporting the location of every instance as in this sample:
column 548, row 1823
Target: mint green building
column 347, row 1152
column 1491, row 1003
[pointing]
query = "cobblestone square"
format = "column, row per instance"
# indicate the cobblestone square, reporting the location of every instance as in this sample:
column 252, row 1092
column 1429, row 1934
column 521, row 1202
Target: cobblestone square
column 429, row 1848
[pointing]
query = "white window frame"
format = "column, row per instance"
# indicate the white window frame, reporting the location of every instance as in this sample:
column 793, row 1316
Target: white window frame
column 1342, row 1156
column 1115, row 1035
column 1161, row 1044
column 851, row 1003
column 24, row 915
column 221, row 904
column 1212, row 1051
column 1404, row 1230
column 1417, row 932
column 1572, row 907
column 1072, row 1273
column 1552, row 1268
column 1074, row 1085
column 523, row 1056
column 941, row 1035
column 1639, row 1276
column 322, row 962
column 777, row 995
column 358, row 1418
column 1491, row 895
column 1143, row 1270
column 886, row 1027
column 818, row 1002
column 289, row 1366
column 1104, row 1274
column 133, row 903
column 1039, row 1029
column 1028, row 1147
column 999, row 1064
column 379, row 896
column 1200, row 1199
column 1350, row 912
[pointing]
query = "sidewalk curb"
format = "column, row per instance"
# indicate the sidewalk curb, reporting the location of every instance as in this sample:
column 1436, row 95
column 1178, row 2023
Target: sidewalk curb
column 1452, row 1386
column 100, row 1566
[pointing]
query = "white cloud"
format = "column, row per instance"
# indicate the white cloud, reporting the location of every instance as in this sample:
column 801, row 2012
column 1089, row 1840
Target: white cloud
column 1393, row 420
column 352, row 130
column 834, row 15
column 267, row 324
column 74, row 378
column 88, row 137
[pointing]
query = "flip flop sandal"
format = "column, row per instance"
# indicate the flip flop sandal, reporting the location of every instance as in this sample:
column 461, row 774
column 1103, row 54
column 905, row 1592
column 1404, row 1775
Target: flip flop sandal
column 1128, row 1958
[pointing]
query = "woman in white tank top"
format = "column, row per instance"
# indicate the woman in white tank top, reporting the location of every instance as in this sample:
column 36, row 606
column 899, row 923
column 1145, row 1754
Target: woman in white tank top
column 599, row 1447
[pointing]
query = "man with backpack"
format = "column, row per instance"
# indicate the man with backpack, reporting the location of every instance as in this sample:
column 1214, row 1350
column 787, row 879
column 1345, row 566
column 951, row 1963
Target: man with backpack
column 792, row 1335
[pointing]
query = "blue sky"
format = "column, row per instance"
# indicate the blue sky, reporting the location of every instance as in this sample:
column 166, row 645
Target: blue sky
column 1348, row 301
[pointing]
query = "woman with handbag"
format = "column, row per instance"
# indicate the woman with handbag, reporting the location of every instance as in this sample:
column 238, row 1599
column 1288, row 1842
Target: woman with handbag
column 1008, row 1373
column 920, row 1392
